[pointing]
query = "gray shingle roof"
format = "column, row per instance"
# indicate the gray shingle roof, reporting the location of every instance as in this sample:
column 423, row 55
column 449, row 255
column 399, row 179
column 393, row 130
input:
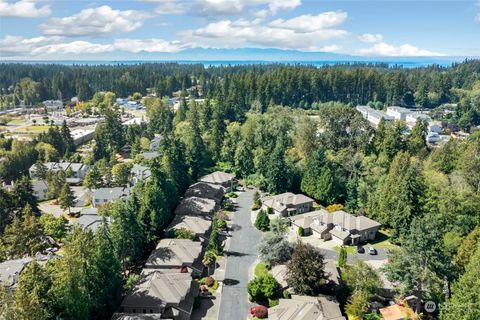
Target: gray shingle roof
column 198, row 225
column 205, row 190
column 305, row 308
column 217, row 177
column 174, row 253
column 156, row 289
column 196, row 206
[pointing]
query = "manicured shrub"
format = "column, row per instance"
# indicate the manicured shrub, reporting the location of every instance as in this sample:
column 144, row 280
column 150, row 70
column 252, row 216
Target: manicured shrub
column 286, row 294
column 301, row 231
column 219, row 224
column 342, row 257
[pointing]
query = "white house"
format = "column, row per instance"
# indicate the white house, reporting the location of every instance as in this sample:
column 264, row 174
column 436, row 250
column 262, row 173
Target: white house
column 40, row 189
column 104, row 195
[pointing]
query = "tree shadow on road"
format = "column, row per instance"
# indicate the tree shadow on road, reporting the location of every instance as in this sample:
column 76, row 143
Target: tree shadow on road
column 230, row 282
column 235, row 254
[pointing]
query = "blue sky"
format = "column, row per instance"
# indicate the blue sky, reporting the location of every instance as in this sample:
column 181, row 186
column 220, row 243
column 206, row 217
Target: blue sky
column 71, row 29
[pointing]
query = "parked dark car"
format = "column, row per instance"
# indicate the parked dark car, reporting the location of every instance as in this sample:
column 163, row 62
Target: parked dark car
column 360, row 249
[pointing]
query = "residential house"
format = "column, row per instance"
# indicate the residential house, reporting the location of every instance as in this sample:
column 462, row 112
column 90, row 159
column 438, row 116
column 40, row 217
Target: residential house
column 155, row 142
column 196, row 206
column 139, row 173
column 206, row 190
column 288, row 204
column 77, row 170
column 90, row 219
column 10, row 271
column 223, row 179
column 198, row 225
column 149, row 155
column 177, row 255
column 40, row 189
column 339, row 226
column 83, row 197
column 306, row 308
column 104, row 195
column 169, row 295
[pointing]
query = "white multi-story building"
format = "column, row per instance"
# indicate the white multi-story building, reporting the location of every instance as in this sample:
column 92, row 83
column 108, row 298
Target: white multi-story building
column 398, row 113
column 372, row 115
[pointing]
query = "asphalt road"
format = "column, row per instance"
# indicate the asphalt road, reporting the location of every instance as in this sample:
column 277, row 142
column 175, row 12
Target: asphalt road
column 240, row 257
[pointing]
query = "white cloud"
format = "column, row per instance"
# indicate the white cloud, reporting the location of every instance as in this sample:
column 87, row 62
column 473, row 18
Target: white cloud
column 309, row 23
column 370, row 38
column 74, row 47
column 23, row 9
column 14, row 46
column 405, row 50
column 170, row 7
column 477, row 18
column 95, row 21
column 149, row 45
column 260, row 8
column 283, row 34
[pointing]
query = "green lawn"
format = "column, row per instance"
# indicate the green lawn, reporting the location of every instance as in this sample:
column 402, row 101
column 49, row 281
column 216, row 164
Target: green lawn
column 383, row 240
column 16, row 121
column 39, row 128
column 350, row 249
column 261, row 269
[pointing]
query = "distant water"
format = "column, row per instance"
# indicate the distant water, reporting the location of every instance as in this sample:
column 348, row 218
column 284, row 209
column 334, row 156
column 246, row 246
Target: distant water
column 391, row 62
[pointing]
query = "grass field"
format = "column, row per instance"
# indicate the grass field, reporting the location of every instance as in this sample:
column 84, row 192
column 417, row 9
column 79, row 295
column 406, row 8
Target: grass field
column 16, row 121
column 38, row 129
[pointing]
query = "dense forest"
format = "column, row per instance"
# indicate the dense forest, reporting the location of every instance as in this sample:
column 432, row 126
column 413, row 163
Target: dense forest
column 238, row 86
column 252, row 123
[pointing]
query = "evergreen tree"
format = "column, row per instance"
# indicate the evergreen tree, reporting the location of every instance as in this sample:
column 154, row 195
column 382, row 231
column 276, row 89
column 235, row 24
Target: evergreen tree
column 262, row 222
column 24, row 236
column 276, row 175
column 22, row 193
column 400, row 198
column 31, row 299
column 40, row 170
column 55, row 183
column 466, row 293
column 72, row 278
column 93, row 178
column 126, row 232
column 243, row 159
column 66, row 198
column 67, row 138
column 105, row 281
column 417, row 141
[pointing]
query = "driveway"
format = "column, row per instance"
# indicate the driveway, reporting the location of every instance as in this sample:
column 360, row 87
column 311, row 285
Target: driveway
column 241, row 255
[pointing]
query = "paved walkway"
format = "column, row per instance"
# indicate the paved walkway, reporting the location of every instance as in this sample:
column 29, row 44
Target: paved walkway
column 241, row 255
